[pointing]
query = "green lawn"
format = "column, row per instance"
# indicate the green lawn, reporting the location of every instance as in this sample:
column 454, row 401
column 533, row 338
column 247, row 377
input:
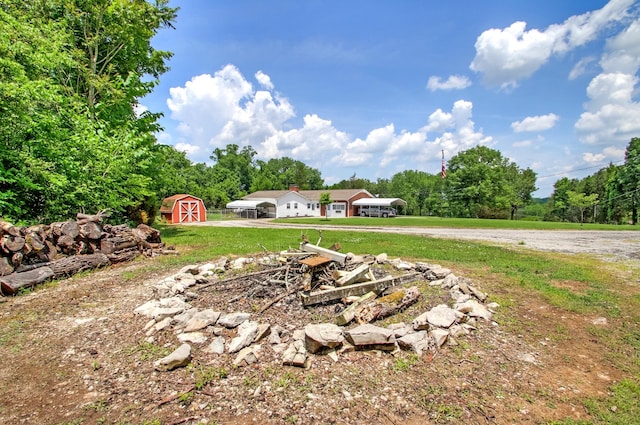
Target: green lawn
column 412, row 221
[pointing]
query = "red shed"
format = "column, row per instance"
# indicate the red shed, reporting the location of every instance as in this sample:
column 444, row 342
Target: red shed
column 183, row 209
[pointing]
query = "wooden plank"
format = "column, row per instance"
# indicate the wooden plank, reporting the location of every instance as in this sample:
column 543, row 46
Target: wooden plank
column 358, row 289
column 316, row 261
column 324, row 252
column 354, row 276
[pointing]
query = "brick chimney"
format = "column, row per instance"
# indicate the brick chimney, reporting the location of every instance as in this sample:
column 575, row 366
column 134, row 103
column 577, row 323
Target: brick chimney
column 294, row 187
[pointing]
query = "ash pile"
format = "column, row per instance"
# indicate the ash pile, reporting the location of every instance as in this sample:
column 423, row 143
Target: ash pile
column 289, row 307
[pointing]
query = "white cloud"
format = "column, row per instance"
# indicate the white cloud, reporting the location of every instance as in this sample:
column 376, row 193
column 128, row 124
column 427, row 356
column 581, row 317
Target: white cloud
column 523, row 144
column 187, row 148
column 623, row 51
column 454, row 82
column 537, row 123
column 506, row 56
column 612, row 115
column 581, row 67
column 593, row 158
column 215, row 110
column 264, row 80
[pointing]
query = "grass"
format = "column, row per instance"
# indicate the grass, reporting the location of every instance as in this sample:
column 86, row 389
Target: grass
column 509, row 275
column 413, row 221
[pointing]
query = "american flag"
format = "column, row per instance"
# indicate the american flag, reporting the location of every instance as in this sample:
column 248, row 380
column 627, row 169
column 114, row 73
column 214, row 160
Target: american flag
column 444, row 169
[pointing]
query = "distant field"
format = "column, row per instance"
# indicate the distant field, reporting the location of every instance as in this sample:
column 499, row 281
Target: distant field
column 409, row 221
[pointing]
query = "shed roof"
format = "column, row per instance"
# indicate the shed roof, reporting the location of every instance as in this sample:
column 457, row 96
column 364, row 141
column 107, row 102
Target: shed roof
column 379, row 202
column 170, row 201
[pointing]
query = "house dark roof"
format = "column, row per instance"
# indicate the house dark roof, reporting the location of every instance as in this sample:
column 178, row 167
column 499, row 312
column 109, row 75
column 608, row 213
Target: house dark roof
column 312, row 195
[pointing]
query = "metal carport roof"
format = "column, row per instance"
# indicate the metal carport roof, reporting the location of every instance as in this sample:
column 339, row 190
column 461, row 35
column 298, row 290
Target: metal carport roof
column 248, row 205
column 379, row 202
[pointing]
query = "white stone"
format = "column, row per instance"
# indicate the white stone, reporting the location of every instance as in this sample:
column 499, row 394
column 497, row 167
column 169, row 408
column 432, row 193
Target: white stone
column 247, row 332
column 232, row 320
column 179, row 358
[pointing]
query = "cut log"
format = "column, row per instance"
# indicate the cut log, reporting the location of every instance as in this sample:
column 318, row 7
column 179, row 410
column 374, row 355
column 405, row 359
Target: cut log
column 16, row 258
column 124, row 255
column 11, row 244
column 117, row 243
column 77, row 263
column 12, row 283
column 69, row 228
column 147, row 233
column 35, row 241
column 91, row 230
column 9, row 229
column 66, row 241
column 358, row 289
column 388, row 305
column 5, row 266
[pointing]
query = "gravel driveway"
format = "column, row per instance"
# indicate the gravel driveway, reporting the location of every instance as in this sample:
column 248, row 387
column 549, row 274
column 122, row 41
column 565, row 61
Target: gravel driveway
column 614, row 244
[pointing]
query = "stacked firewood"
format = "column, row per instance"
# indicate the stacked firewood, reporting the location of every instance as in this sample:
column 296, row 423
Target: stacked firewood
column 33, row 254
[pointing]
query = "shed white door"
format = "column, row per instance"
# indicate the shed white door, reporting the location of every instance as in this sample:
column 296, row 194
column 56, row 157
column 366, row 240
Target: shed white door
column 188, row 211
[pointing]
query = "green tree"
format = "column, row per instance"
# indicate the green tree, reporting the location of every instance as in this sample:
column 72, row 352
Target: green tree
column 560, row 199
column 281, row 173
column 520, row 186
column 476, row 182
column 581, row 201
column 629, row 177
column 325, row 201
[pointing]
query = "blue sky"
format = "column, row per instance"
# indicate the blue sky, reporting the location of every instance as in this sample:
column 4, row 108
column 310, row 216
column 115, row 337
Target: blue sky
column 373, row 88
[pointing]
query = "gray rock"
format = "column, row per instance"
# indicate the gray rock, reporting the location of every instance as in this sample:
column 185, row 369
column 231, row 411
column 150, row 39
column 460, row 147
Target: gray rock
column 439, row 336
column 449, row 281
column 274, row 337
column 193, row 337
column 417, row 342
column 180, row 320
column 191, row 269
column 298, row 335
column 382, row 258
column 245, row 357
column 179, row 358
column 473, row 308
column 370, row 336
column 216, row 346
column 165, row 307
column 232, row 320
column 295, row 355
column 442, row 316
column 247, row 332
column 323, row 335
column 201, row 320
column 264, row 329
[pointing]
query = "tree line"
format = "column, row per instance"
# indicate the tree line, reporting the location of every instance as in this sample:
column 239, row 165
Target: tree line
column 73, row 138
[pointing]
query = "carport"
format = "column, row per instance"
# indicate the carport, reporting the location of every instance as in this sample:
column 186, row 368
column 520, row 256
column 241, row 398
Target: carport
column 378, row 203
column 252, row 209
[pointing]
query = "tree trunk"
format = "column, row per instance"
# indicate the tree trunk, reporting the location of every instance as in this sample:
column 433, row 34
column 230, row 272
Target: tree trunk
column 388, row 305
column 10, row 244
column 12, row 283
column 5, row 266
column 77, row 263
column 8, row 229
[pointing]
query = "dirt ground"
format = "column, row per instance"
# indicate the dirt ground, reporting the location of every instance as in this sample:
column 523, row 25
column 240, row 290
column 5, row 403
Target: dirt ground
column 75, row 353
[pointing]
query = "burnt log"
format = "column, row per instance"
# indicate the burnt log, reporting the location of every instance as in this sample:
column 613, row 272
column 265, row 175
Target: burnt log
column 71, row 265
column 12, row 283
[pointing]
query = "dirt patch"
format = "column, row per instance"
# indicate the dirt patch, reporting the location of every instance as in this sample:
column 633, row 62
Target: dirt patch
column 76, row 354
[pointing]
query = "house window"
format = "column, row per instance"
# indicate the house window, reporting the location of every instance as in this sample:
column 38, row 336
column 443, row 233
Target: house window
column 308, row 206
column 295, row 205
column 288, row 205
column 338, row 207
column 317, row 205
